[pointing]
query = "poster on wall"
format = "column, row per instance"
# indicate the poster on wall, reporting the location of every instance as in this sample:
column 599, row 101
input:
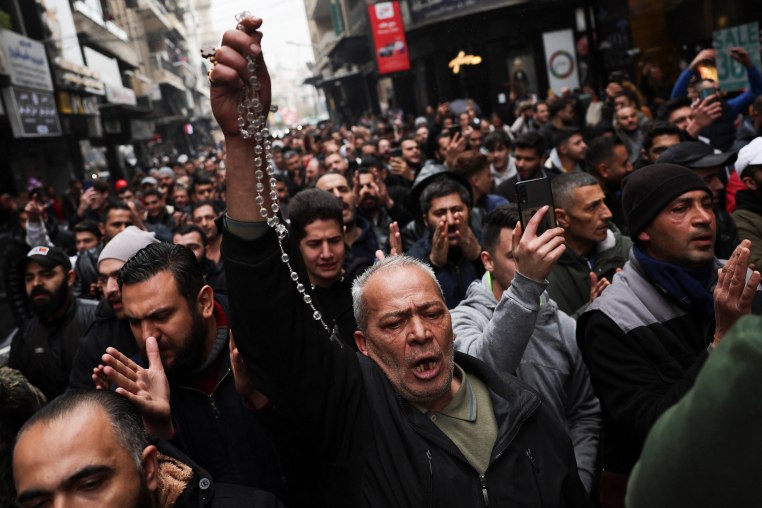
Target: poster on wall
column 389, row 37
column 560, row 60
column 731, row 74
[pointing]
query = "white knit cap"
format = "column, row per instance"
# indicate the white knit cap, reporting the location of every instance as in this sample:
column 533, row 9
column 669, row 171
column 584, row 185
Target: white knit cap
column 750, row 155
column 126, row 244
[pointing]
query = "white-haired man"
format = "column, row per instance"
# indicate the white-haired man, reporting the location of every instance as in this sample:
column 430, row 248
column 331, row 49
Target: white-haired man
column 405, row 422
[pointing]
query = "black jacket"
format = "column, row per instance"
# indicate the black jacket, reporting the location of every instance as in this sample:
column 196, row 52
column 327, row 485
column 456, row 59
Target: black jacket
column 105, row 331
column 86, row 270
column 201, row 491
column 44, row 351
column 375, row 448
column 217, row 430
column 644, row 351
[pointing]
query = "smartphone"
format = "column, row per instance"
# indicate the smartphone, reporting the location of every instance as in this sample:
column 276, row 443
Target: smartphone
column 396, row 152
column 87, row 185
column 708, row 92
column 531, row 195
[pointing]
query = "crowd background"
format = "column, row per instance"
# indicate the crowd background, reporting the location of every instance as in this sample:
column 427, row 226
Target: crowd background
column 427, row 186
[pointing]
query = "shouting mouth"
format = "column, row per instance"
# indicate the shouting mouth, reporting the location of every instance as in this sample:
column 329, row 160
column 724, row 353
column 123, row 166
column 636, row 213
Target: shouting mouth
column 426, row 368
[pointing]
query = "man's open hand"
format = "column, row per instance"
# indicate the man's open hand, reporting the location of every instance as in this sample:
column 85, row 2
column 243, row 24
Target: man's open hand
column 733, row 294
column 147, row 389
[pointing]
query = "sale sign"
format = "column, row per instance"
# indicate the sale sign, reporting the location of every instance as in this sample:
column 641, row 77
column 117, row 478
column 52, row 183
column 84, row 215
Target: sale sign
column 389, row 37
column 733, row 75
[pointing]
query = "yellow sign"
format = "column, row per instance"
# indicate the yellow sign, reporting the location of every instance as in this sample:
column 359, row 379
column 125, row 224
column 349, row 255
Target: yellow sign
column 463, row 59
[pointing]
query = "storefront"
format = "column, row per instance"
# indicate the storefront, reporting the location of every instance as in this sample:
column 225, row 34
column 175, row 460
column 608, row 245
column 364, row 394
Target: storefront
column 485, row 51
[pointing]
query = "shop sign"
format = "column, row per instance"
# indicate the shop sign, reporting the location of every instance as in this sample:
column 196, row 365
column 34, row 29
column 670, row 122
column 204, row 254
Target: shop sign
column 116, row 94
column 32, row 113
column 389, row 37
column 26, row 61
column 731, row 74
column 429, row 11
column 463, row 59
column 560, row 60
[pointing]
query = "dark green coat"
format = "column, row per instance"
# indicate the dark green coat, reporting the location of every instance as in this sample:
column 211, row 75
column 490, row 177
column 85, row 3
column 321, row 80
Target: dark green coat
column 570, row 279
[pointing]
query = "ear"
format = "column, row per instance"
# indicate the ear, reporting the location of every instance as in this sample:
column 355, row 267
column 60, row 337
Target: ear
column 487, row 261
column 750, row 182
column 425, row 220
column 603, row 170
column 102, row 229
column 205, row 301
column 150, row 467
column 644, row 236
column 562, row 218
column 361, row 342
column 70, row 278
column 644, row 154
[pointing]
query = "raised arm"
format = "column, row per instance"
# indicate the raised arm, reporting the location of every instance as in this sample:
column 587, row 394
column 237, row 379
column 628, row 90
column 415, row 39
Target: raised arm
column 286, row 351
column 228, row 78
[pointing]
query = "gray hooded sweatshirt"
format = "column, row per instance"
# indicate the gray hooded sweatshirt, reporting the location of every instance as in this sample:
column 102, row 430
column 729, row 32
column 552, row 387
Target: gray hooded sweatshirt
column 526, row 335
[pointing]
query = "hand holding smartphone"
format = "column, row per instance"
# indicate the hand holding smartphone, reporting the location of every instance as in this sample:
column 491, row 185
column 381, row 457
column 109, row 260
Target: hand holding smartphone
column 531, row 195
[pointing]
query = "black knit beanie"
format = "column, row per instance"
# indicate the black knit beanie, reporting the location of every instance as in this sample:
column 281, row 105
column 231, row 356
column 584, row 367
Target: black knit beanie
column 649, row 189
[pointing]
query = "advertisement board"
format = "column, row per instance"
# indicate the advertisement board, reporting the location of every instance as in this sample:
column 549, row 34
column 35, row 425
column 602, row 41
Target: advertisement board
column 389, row 37
column 731, row 74
column 561, row 60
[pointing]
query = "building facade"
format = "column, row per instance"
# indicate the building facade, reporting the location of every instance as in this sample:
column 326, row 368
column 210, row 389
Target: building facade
column 126, row 83
column 504, row 49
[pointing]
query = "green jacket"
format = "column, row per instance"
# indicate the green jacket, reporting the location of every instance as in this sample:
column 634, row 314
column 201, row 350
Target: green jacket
column 749, row 225
column 705, row 450
column 570, row 279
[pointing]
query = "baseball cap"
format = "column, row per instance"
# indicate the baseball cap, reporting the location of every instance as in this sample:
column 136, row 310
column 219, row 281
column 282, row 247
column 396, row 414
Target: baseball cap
column 750, row 155
column 695, row 155
column 49, row 257
column 149, row 180
column 121, row 184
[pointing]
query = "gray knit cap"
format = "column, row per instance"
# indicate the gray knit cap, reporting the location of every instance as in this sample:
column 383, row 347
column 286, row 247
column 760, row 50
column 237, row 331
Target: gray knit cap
column 126, row 244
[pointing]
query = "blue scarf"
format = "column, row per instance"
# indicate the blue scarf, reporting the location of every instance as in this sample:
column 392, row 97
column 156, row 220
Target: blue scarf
column 691, row 289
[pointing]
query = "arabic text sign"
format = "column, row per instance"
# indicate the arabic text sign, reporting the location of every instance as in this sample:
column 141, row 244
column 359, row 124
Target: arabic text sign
column 733, row 75
column 32, row 113
column 26, row 60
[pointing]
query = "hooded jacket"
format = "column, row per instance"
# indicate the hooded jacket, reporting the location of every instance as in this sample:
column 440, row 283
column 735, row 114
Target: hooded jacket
column 376, row 448
column 570, row 279
column 455, row 276
column 524, row 334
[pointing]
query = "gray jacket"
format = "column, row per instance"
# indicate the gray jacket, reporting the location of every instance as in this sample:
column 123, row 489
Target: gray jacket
column 524, row 334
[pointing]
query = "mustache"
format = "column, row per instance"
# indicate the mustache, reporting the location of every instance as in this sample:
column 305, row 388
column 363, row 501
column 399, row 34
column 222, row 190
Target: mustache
column 38, row 291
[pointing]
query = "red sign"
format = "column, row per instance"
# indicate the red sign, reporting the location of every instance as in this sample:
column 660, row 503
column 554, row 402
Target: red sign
column 389, row 37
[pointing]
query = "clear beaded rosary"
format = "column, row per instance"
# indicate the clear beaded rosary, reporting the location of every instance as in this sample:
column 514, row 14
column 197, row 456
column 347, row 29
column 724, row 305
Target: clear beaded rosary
column 252, row 123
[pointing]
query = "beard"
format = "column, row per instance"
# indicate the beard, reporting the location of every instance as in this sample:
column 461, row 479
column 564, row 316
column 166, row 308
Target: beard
column 55, row 301
column 190, row 357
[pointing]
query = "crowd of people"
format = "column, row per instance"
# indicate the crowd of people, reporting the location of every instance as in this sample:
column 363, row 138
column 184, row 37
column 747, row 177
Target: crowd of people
column 356, row 315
